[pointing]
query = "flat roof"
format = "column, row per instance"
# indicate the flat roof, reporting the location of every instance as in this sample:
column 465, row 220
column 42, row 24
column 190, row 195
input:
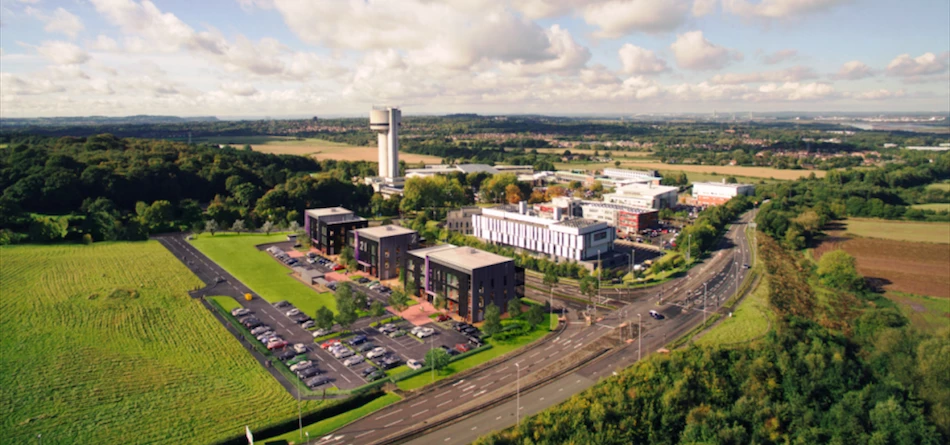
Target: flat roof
column 722, row 184
column 578, row 222
column 384, row 231
column 327, row 211
column 645, row 189
column 421, row 253
column 468, row 258
column 610, row 205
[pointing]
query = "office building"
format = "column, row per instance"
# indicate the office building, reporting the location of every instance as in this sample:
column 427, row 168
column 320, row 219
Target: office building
column 716, row 193
column 328, row 227
column 636, row 176
column 440, row 169
column 627, row 220
column 461, row 220
column 380, row 251
column 646, row 196
column 469, row 279
column 556, row 237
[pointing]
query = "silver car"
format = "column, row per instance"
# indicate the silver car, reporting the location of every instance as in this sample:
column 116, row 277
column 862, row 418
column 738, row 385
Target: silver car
column 354, row 360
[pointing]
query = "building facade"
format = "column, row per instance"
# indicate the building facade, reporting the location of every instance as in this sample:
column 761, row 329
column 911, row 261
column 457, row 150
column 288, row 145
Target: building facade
column 649, row 176
column 327, row 228
column 461, row 220
column 627, row 220
column 469, row 279
column 647, row 196
column 575, row 239
column 718, row 193
column 380, row 251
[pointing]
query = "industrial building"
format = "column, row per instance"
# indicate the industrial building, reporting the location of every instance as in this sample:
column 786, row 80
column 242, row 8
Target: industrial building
column 380, row 251
column 469, row 279
column 461, row 220
column 647, row 196
column 717, row 193
column 327, row 227
column 627, row 220
column 558, row 236
column 440, row 169
column 617, row 177
column 645, row 177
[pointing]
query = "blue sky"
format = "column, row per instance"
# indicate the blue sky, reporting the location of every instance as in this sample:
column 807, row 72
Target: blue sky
column 338, row 57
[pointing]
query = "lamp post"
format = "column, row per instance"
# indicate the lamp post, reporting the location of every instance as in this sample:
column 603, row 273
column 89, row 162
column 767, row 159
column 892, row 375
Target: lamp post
column 518, row 396
column 307, row 433
column 689, row 245
column 704, row 302
column 39, row 437
column 299, row 417
column 639, row 337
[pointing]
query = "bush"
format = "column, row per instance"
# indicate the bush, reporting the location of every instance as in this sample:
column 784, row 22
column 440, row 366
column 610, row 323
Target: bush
column 86, row 239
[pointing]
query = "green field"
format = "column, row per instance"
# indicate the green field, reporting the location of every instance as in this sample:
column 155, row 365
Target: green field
column 935, row 206
column 749, row 321
column 924, row 232
column 497, row 349
column 945, row 186
column 101, row 344
column 325, row 426
column 927, row 314
column 258, row 270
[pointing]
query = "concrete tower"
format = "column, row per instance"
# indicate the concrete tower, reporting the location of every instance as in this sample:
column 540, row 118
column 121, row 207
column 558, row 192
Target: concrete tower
column 385, row 122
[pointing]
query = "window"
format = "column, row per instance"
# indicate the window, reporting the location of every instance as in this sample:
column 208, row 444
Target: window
column 600, row 236
column 386, row 254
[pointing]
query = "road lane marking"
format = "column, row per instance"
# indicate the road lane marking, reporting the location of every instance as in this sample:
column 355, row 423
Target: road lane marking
column 388, row 414
column 440, row 395
column 474, row 427
column 361, row 435
column 418, row 403
column 420, row 412
column 391, row 424
column 480, row 393
column 447, row 439
column 443, row 403
column 468, row 388
column 535, row 354
column 458, row 382
column 542, row 398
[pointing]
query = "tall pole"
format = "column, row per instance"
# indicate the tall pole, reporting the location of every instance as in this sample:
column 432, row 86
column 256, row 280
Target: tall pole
column 704, row 302
column 600, row 272
column 639, row 337
column 689, row 246
column 518, row 396
column 551, row 302
column 299, row 417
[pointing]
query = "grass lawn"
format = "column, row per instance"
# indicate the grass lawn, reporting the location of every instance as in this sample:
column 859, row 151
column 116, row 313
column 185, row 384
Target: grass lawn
column 945, row 186
column 102, row 344
column 750, row 320
column 325, row 426
column 935, row 206
column 497, row 349
column 928, row 314
column 258, row 270
column 227, row 303
column 925, row 232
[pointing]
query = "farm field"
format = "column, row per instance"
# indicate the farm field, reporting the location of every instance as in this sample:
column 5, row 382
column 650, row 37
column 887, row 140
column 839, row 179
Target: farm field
column 935, row 206
column 102, row 344
column 238, row 254
column 590, row 152
column 909, row 267
column 320, row 149
column 927, row 314
column 945, row 186
column 750, row 320
column 727, row 170
column 923, row 232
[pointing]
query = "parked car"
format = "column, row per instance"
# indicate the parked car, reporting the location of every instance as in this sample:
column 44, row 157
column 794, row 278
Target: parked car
column 656, row 315
column 354, row 360
column 397, row 333
column 260, row 330
column 449, row 350
column 367, row 370
column 240, row 311
column 338, row 267
column 442, row 317
column 390, row 361
column 415, row 364
column 425, row 332
column 317, row 381
column 336, row 348
column 475, row 342
column 308, row 324
column 330, row 342
column 383, row 290
column 311, row 255
column 366, row 347
column 301, row 318
column 297, row 359
column 276, row 345
column 376, row 375
column 362, row 280
column 460, row 326
column 343, row 353
column 331, row 285
column 357, row 340
column 301, row 365
column 286, row 355
column 281, row 304
column 293, row 312
column 309, row 372
column 252, row 323
column 322, row 332
column 300, row 348
column 376, row 352
column 462, row 347
column 261, row 337
column 469, row 330
column 415, row 330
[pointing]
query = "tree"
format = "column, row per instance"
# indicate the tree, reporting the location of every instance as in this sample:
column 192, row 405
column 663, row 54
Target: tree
column 399, row 300
column 551, row 280
column 324, row 318
column 556, row 190
column 589, row 286
column 347, row 259
column 360, row 299
column 267, row 228
column 439, row 301
column 597, row 187
column 345, row 306
column 513, row 194
column 211, row 226
column 238, row 226
column 514, row 308
column 837, row 270
column 535, row 315
column 437, row 359
column 294, row 227
column 617, row 164
column 376, row 309
column 48, row 228
column 492, row 323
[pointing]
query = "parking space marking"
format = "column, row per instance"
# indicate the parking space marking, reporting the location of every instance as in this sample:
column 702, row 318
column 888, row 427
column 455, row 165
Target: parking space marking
column 391, row 424
column 364, row 434
column 388, row 414
column 420, row 413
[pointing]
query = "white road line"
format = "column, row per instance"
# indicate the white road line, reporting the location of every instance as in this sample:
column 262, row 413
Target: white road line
column 468, row 388
column 482, row 377
column 560, row 389
column 388, row 414
column 440, row 395
column 502, row 369
column 344, row 378
column 443, row 403
column 578, row 345
column 447, row 439
column 361, row 435
column 535, row 354
column 498, row 418
column 480, row 393
column 474, row 427
column 418, row 403
column 391, row 424
column 331, row 367
column 542, row 398
column 458, row 382
column 420, row 412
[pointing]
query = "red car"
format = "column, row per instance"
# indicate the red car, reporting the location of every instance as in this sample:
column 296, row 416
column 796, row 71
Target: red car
column 442, row 317
column 329, row 343
column 276, row 345
column 462, row 347
column 338, row 267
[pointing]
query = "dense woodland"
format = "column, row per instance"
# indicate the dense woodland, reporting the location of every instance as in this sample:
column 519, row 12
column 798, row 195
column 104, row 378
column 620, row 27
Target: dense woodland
column 111, row 188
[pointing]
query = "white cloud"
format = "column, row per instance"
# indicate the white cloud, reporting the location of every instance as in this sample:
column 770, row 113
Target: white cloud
column 694, row 52
column 617, row 18
column 793, row 91
column 104, row 43
column 61, row 21
column 778, row 9
column 637, row 60
column 63, row 53
column 779, row 56
column 239, row 88
column 854, row 70
column 919, row 69
column 15, row 85
column 564, row 55
column 539, row 9
column 704, row 7
column 793, row 74
column 878, row 94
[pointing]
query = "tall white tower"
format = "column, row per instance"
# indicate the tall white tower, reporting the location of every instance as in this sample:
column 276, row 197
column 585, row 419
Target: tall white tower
column 385, row 122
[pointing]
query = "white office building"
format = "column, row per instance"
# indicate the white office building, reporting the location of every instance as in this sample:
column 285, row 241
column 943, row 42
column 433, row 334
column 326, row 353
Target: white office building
column 555, row 237
column 716, row 193
column 620, row 175
column 647, row 196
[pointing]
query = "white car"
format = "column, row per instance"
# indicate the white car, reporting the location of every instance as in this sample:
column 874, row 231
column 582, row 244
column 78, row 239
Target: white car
column 425, row 332
column 415, row 364
column 265, row 335
column 240, row 311
column 343, row 353
column 301, row 365
column 376, row 352
column 322, row 332
column 300, row 348
column 415, row 330
column 354, row 360
column 293, row 312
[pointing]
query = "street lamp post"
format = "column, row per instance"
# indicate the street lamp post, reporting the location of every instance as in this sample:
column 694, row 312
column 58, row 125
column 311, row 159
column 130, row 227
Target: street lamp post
column 639, row 337
column 307, row 433
column 689, row 245
column 518, row 396
column 39, row 437
column 704, row 302
column 299, row 416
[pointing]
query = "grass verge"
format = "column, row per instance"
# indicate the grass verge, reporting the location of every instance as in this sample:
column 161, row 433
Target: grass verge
column 325, row 426
column 751, row 319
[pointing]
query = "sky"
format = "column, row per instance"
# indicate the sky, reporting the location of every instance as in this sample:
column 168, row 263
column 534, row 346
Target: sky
column 295, row 58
